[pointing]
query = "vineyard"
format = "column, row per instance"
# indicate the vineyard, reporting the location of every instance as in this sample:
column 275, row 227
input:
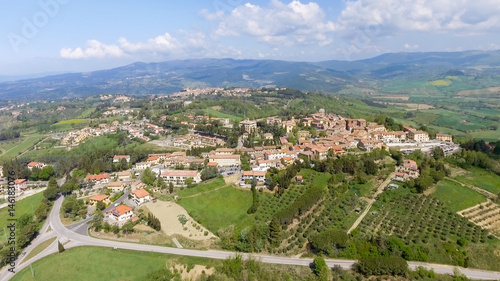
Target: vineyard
column 419, row 219
column 486, row 215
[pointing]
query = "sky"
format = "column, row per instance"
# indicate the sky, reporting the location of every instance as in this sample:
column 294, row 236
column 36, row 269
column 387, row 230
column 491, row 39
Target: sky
column 55, row 36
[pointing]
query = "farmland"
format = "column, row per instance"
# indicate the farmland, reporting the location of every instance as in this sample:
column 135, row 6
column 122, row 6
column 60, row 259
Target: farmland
column 25, row 206
column 69, row 265
column 457, row 197
column 220, row 208
column 481, row 178
column 486, row 215
column 12, row 149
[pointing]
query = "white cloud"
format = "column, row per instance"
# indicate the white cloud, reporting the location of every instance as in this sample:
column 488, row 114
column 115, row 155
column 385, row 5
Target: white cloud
column 94, row 49
column 410, row 47
column 278, row 23
column 386, row 17
column 161, row 43
column 187, row 45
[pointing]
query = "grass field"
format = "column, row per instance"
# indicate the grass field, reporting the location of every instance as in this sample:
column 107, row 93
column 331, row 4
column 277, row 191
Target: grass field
column 220, row 208
column 38, row 249
column 204, row 187
column 219, row 114
column 71, row 121
column 457, row 197
column 14, row 149
column 106, row 264
column 22, row 207
column 481, row 178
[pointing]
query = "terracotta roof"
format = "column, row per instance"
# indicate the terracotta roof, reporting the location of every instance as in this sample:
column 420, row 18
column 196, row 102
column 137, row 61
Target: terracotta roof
column 97, row 177
column 120, row 210
column 140, row 193
column 115, row 183
column 180, row 173
column 212, row 164
column 99, row 197
column 254, row 173
column 18, row 181
column 229, row 156
column 32, row 164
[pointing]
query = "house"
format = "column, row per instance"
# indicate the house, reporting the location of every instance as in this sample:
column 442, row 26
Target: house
column 267, row 136
column 142, row 165
column 99, row 198
column 118, row 158
column 123, row 176
column 258, row 175
column 303, row 134
column 140, row 196
column 299, row 179
column 248, row 125
column 408, row 170
column 98, row 179
column 224, row 151
column 179, row 177
column 233, row 160
column 444, row 137
column 37, row 165
column 116, row 186
column 121, row 213
column 20, row 185
column 418, row 136
column 153, row 160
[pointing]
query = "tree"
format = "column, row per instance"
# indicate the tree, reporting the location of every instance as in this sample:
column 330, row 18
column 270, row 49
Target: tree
column 51, row 193
column 100, row 206
column 392, row 265
column 46, row 173
column 319, row 265
column 60, row 247
column 148, row 177
column 170, row 187
column 189, row 182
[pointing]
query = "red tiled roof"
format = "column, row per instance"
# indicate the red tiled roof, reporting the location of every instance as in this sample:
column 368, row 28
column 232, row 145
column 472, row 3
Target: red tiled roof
column 99, row 197
column 120, row 210
column 97, row 177
column 140, row 193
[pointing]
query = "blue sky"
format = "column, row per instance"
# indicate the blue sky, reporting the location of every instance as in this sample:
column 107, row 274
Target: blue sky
column 67, row 35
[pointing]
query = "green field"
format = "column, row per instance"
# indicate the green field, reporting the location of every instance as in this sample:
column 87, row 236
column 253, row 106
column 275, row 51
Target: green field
column 25, row 206
column 204, row 187
column 457, row 197
column 106, row 264
column 220, row 208
column 71, row 121
column 38, row 249
column 483, row 179
column 219, row 114
column 14, row 149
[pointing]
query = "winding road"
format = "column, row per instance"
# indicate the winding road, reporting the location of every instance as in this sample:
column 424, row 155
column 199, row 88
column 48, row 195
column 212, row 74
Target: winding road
column 67, row 236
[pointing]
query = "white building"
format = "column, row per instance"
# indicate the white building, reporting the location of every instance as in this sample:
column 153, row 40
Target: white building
column 226, row 160
column 121, row 213
column 140, row 196
column 179, row 177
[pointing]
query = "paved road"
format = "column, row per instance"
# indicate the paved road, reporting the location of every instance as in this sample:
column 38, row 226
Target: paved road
column 74, row 239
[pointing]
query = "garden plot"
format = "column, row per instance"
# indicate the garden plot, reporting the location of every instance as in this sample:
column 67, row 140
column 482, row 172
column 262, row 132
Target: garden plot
column 486, row 215
column 176, row 221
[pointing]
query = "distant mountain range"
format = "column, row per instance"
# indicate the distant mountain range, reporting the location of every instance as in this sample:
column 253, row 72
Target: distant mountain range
column 171, row 76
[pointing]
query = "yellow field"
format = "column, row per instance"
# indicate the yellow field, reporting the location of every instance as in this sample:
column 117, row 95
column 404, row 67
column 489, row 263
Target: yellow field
column 71, row 121
column 441, row 83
